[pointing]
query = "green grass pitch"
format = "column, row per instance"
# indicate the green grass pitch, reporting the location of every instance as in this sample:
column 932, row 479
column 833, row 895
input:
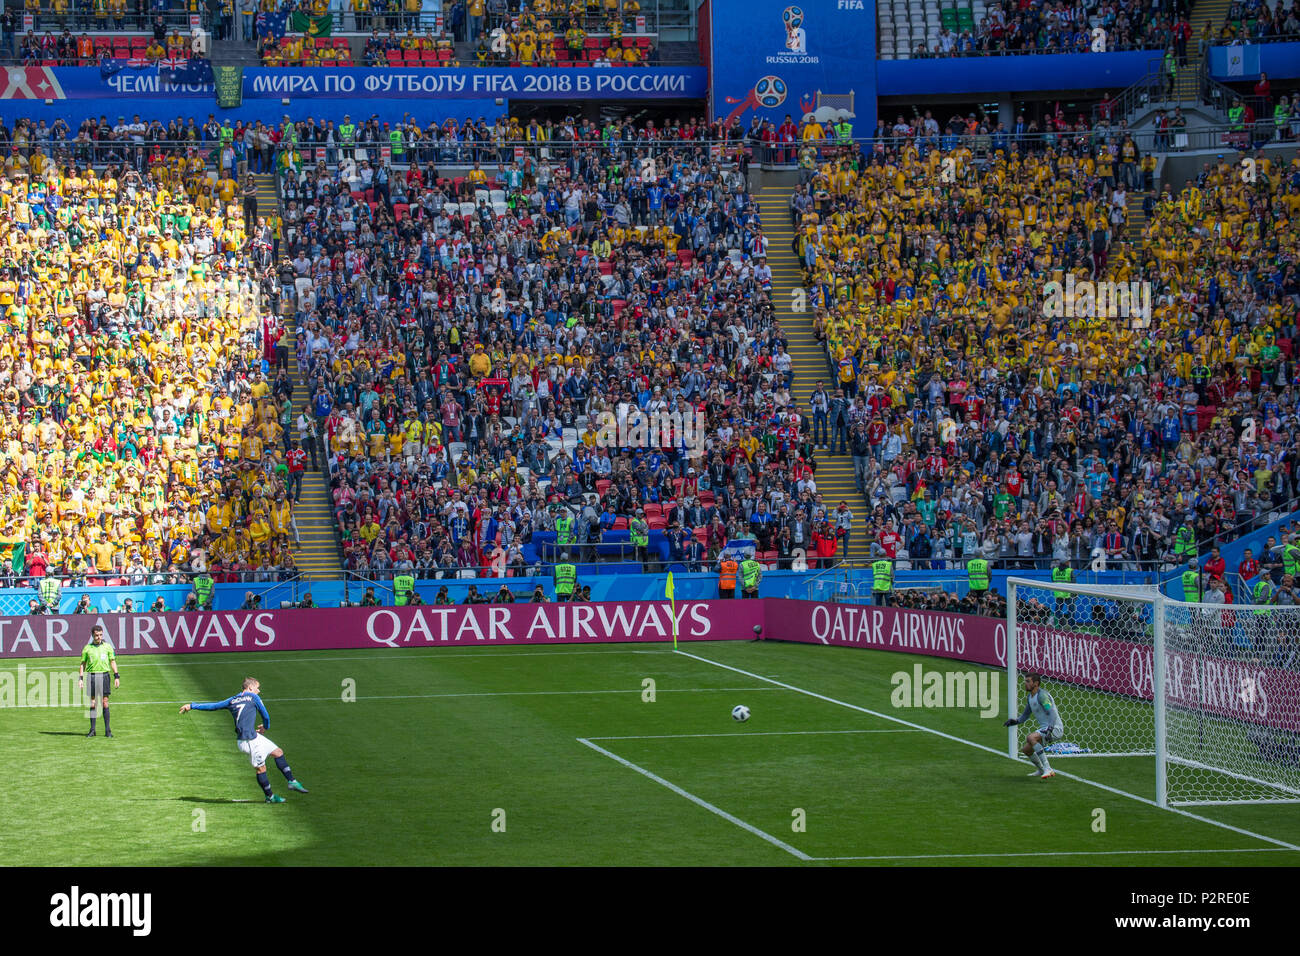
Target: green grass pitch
column 476, row 756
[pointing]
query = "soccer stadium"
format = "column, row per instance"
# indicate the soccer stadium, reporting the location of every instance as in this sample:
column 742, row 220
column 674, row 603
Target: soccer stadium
column 860, row 433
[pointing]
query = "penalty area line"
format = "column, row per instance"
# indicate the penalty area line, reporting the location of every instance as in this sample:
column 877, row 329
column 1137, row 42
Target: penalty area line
column 761, row 733
column 970, row 743
column 718, row 811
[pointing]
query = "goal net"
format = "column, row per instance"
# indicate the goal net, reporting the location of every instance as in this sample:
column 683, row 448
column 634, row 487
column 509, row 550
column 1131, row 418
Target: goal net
column 1232, row 703
column 1211, row 691
column 1093, row 647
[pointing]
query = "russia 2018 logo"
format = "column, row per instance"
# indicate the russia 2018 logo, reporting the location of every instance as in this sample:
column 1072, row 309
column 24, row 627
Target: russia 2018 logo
column 796, row 40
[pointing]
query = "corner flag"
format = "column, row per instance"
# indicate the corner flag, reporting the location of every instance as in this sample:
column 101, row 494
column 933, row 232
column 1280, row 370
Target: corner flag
column 668, row 593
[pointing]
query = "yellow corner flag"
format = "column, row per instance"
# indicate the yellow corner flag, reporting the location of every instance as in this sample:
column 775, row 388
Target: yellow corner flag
column 668, row 593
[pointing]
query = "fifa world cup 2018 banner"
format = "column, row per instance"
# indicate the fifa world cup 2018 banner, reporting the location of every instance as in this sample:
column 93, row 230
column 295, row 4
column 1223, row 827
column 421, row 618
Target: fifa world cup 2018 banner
column 777, row 57
column 395, row 627
column 1244, row 689
column 628, row 83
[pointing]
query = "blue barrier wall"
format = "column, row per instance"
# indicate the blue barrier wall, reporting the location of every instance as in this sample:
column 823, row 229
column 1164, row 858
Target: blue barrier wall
column 609, row 582
column 1015, row 74
column 270, row 111
column 1234, row 551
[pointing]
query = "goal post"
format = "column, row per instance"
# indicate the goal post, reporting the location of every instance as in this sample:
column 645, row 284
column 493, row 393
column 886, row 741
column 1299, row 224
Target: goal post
column 1211, row 691
column 1092, row 645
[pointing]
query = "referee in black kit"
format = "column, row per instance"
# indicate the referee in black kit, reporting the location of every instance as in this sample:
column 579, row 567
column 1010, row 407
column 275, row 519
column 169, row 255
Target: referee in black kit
column 97, row 660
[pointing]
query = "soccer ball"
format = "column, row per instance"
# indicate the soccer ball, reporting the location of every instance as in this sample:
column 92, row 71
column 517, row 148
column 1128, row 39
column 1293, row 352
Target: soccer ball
column 740, row 712
column 770, row 92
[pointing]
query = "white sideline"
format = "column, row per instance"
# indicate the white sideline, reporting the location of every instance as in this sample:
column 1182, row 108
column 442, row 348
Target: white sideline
column 492, row 693
column 697, row 801
column 985, row 856
column 757, row 733
column 1001, row 753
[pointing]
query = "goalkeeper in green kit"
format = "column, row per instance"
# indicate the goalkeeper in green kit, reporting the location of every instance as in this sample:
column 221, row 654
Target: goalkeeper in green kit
column 1050, row 728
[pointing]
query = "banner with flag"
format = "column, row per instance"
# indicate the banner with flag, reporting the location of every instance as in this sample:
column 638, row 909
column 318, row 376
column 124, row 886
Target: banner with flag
column 1237, row 62
column 138, row 75
column 312, row 26
column 192, row 71
column 13, row 554
column 272, row 26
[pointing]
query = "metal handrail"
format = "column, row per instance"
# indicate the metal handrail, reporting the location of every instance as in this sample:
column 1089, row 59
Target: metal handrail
column 84, row 21
column 987, row 142
column 126, row 579
column 1136, row 94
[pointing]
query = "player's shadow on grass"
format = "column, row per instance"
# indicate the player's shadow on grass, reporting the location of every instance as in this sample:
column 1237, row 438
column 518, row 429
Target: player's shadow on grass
column 215, row 800
column 64, row 733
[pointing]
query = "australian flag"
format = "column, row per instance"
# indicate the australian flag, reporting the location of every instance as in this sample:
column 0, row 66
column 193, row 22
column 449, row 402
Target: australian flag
column 185, row 72
column 171, row 72
column 272, row 25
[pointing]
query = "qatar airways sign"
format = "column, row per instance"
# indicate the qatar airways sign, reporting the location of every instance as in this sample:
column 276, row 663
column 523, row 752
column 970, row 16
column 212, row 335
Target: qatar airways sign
column 425, row 626
column 1241, row 688
column 1244, row 689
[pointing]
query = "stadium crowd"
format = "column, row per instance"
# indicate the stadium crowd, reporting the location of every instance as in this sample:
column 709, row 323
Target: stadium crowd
column 983, row 424
column 460, row 354
column 461, row 336
column 143, row 426
column 1061, row 27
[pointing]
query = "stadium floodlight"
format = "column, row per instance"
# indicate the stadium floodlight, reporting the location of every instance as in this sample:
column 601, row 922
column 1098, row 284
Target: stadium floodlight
column 1211, row 691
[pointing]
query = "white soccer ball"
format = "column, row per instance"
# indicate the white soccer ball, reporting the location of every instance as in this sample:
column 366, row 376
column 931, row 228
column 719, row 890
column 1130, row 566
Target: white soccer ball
column 740, row 712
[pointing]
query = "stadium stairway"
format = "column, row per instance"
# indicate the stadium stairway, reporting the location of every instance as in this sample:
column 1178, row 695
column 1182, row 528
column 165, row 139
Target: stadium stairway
column 834, row 472
column 318, row 553
column 1213, row 12
column 1135, row 215
column 268, row 197
column 1188, row 85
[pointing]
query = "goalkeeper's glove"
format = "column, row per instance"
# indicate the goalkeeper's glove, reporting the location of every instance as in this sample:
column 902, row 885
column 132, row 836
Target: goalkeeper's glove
column 1011, row 723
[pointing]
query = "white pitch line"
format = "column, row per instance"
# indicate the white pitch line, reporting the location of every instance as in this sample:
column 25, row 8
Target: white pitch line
column 493, row 693
column 696, row 800
column 992, row 750
column 986, row 856
column 217, row 657
column 759, row 733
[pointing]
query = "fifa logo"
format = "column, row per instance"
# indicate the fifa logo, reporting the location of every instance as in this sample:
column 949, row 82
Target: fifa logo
column 796, row 40
column 849, row 5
